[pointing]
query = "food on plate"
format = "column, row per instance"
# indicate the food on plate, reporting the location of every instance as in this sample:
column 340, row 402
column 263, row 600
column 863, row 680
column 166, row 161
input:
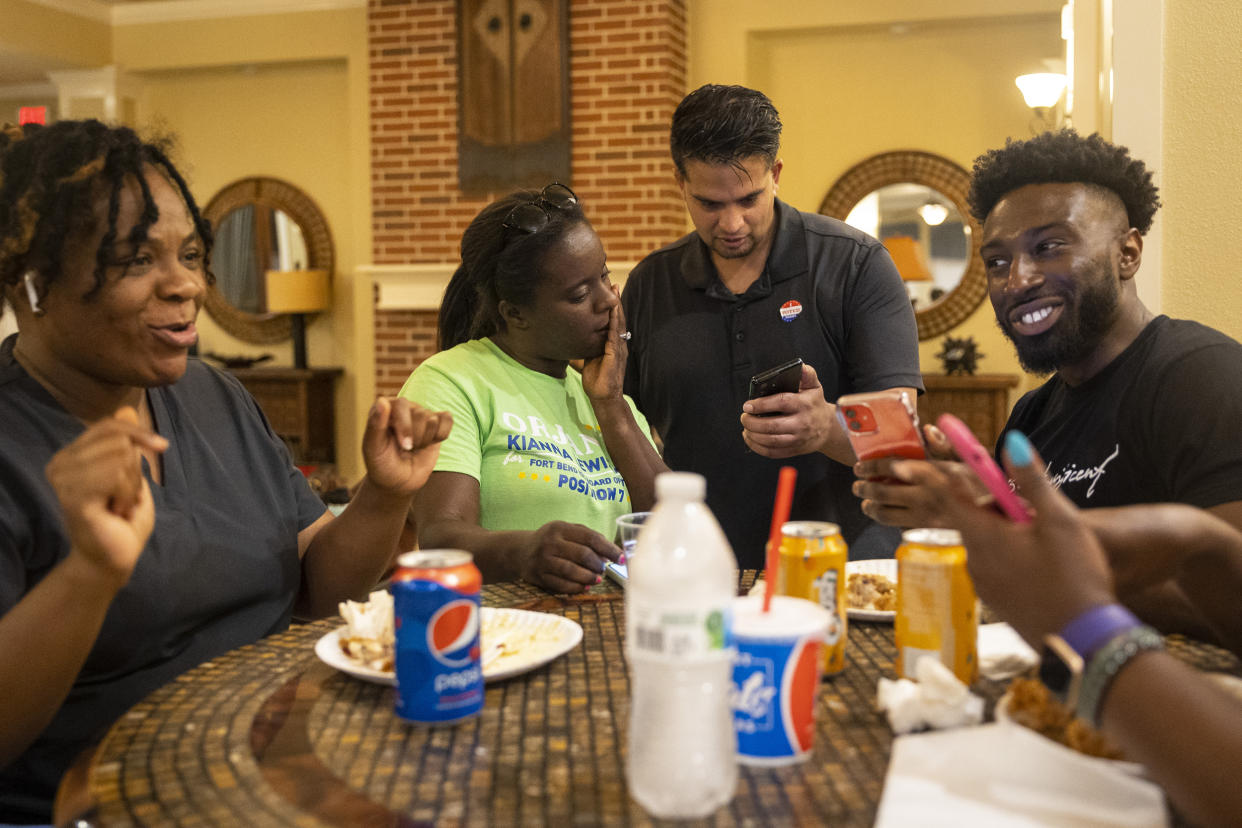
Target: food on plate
column 871, row 591
column 368, row 637
column 505, row 636
column 1030, row 704
column 863, row 591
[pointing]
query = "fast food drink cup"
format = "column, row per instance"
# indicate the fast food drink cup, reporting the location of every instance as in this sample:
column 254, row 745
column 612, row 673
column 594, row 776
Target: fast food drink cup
column 776, row 670
column 628, row 527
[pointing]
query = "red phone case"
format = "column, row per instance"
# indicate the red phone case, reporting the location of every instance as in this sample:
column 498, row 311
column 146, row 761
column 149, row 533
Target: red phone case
column 881, row 424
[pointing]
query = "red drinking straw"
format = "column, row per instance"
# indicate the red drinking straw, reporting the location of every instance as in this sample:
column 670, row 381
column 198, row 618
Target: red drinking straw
column 780, row 514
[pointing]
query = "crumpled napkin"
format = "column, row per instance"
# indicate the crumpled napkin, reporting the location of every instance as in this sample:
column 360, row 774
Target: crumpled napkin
column 1004, row 776
column 937, row 700
column 1002, row 652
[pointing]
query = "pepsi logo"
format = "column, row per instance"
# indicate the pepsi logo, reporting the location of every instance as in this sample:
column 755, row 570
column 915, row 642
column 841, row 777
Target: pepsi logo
column 453, row 633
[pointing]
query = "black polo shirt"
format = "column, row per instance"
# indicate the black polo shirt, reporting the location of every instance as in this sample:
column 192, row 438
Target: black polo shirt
column 829, row 294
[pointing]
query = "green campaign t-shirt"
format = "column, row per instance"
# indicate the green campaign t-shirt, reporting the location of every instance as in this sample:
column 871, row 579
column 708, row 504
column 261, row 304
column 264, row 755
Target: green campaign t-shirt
column 531, row 440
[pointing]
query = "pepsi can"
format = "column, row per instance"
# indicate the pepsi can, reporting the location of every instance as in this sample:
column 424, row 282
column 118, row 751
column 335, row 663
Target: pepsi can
column 436, row 613
column 776, row 670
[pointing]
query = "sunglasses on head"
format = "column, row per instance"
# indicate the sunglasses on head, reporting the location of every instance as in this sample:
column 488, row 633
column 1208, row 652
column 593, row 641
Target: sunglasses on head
column 532, row 216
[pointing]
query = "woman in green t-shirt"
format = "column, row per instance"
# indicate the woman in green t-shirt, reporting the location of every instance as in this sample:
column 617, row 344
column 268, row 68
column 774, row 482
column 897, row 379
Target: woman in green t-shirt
column 544, row 455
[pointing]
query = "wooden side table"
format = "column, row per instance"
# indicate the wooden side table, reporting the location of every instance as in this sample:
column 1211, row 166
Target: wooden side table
column 300, row 405
column 981, row 401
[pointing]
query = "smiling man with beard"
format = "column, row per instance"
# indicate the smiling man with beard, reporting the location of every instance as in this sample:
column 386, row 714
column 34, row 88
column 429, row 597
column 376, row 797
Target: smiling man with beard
column 1140, row 408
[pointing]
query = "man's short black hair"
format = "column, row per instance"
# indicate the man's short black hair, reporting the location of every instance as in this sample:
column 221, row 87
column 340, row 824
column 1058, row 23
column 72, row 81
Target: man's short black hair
column 1067, row 157
column 724, row 125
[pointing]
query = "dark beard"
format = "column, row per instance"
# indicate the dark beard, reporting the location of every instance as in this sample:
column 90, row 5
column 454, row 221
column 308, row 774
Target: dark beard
column 734, row 254
column 1070, row 340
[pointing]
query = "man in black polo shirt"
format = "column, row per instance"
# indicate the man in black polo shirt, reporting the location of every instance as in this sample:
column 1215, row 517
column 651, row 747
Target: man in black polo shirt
column 757, row 284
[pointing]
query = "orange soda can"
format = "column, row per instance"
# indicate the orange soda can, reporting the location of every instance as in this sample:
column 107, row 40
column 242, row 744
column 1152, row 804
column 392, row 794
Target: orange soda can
column 812, row 566
column 937, row 611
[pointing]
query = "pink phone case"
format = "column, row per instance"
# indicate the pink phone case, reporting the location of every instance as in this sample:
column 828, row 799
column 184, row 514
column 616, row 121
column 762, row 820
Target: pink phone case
column 977, row 457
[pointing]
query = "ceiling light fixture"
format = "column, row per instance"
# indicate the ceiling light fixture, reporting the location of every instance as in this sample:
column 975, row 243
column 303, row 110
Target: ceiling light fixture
column 1042, row 91
column 933, row 213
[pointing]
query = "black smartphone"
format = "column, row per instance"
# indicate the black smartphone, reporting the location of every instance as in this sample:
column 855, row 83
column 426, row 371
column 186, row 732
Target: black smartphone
column 785, row 378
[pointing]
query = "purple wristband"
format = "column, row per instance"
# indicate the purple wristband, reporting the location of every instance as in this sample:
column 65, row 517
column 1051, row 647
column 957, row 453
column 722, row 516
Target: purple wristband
column 1092, row 629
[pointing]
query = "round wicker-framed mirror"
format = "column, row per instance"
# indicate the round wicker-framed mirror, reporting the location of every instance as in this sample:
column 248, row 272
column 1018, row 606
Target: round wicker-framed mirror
column 884, row 172
column 276, row 225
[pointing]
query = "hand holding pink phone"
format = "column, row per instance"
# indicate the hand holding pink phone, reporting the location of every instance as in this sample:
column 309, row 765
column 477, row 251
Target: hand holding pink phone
column 981, row 462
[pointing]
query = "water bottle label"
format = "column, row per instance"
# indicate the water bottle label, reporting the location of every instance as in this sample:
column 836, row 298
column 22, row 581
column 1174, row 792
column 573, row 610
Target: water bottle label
column 677, row 634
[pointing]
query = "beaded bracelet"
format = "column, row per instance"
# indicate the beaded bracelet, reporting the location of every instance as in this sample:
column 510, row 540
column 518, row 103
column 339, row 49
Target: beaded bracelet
column 1107, row 663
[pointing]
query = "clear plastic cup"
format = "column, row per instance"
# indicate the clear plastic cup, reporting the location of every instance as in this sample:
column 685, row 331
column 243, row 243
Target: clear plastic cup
column 627, row 531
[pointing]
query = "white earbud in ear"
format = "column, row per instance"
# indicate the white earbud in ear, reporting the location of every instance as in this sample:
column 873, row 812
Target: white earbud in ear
column 31, row 293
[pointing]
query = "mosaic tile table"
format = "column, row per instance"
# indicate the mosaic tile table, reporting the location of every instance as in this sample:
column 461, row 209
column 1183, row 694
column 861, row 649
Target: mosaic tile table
column 268, row 735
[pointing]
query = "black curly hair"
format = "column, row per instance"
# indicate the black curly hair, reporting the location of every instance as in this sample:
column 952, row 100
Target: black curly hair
column 52, row 176
column 724, row 125
column 498, row 264
column 1064, row 156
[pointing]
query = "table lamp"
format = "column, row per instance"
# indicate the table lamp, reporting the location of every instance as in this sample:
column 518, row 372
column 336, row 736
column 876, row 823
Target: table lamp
column 908, row 256
column 297, row 293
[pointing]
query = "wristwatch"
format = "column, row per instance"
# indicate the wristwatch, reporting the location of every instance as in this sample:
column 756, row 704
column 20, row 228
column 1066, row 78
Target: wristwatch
column 1066, row 655
column 1079, row 665
column 1060, row 670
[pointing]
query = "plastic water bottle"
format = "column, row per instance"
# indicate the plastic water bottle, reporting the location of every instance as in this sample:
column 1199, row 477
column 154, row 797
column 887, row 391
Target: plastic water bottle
column 683, row 578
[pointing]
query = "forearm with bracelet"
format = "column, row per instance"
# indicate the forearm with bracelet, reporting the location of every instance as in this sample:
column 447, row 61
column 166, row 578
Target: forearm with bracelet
column 1080, row 663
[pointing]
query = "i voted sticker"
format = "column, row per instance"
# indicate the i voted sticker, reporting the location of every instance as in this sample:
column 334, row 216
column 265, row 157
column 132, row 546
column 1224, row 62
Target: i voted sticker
column 790, row 310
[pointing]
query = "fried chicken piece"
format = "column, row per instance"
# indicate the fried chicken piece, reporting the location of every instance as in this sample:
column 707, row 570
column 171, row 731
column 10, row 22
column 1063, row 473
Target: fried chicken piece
column 871, row 591
column 1033, row 706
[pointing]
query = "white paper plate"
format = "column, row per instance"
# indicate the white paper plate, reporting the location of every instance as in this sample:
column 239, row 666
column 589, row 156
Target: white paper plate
column 538, row 637
column 328, row 648
column 1002, row 717
column 882, row 566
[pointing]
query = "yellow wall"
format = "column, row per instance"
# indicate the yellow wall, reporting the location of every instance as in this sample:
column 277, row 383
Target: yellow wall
column 54, row 36
column 1202, row 163
column 276, row 120
column 853, row 80
column 283, row 96
column 32, row 34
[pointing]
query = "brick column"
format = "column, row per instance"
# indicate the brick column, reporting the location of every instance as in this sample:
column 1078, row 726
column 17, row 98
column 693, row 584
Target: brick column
column 627, row 74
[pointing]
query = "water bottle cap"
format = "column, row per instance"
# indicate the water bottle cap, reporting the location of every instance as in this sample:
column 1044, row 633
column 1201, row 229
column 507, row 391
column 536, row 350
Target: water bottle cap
column 680, row 486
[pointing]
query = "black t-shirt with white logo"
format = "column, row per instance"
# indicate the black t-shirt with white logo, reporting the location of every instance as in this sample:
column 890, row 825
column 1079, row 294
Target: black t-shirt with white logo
column 1161, row 423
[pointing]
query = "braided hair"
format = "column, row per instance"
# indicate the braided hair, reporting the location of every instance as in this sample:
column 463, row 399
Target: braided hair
column 1064, row 157
column 498, row 264
column 50, row 180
